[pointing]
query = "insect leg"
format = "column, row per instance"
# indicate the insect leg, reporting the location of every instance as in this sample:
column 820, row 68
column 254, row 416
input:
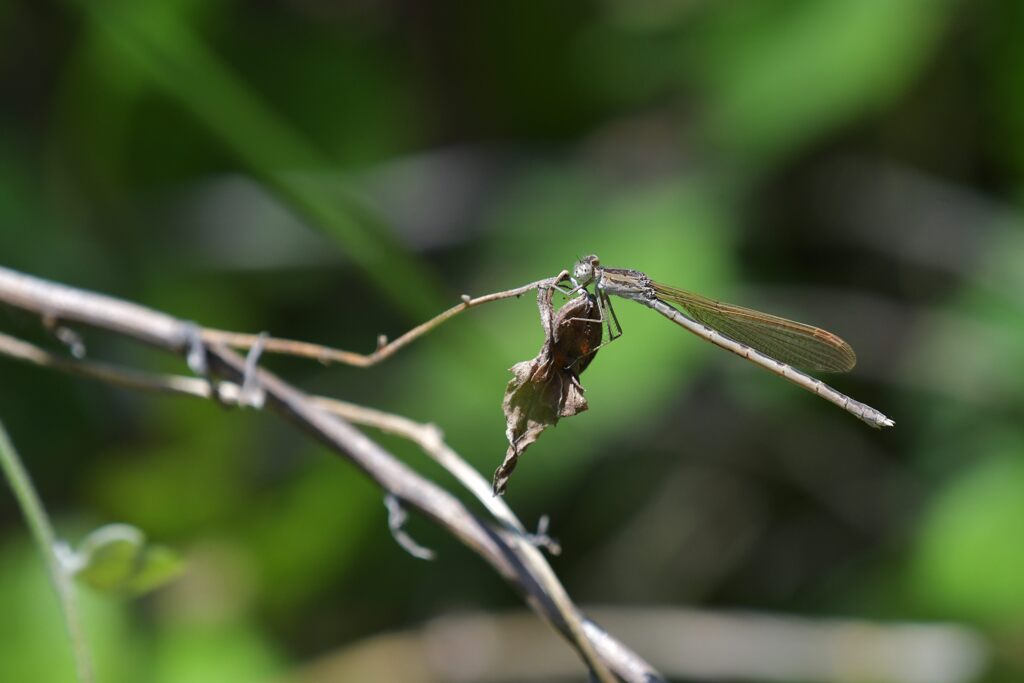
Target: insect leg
column 612, row 336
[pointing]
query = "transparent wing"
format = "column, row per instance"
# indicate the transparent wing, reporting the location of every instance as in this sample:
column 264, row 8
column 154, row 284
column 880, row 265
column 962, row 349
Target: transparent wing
column 803, row 346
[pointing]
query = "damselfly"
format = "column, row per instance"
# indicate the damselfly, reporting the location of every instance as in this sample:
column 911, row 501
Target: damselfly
column 781, row 346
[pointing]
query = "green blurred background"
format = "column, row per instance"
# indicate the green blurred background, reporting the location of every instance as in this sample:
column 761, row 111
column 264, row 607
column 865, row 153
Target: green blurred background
column 333, row 171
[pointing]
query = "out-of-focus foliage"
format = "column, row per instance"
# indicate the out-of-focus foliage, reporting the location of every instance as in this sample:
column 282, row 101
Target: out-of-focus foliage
column 116, row 558
column 335, row 171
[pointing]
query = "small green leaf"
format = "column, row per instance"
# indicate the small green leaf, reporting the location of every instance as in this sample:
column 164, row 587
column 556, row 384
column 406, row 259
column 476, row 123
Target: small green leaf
column 117, row 559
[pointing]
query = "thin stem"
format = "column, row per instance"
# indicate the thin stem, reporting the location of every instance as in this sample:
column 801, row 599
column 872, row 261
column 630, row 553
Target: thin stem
column 327, row 354
column 293, row 404
column 497, row 545
column 427, row 436
column 42, row 532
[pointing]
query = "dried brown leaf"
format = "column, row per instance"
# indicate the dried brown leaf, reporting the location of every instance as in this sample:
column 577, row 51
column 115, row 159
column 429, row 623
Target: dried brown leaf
column 548, row 388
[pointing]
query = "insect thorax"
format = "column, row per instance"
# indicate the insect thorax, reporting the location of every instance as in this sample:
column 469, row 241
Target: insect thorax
column 629, row 284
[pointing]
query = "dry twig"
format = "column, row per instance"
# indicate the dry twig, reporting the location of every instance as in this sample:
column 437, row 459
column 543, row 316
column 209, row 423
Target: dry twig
column 507, row 550
column 385, row 349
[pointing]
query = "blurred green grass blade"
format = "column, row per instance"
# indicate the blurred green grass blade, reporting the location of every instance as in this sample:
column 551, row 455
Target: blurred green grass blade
column 12, row 469
column 152, row 39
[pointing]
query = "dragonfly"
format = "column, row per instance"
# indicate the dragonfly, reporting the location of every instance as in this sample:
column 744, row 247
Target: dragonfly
column 784, row 347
